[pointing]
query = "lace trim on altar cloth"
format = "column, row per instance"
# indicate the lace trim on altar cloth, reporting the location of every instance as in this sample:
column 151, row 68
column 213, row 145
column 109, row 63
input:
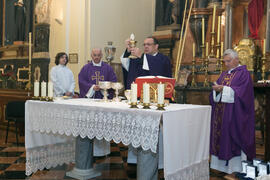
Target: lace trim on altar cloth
column 138, row 129
column 198, row 171
column 49, row 156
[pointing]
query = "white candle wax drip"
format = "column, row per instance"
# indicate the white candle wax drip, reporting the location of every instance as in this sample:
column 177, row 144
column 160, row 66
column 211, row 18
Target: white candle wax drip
column 134, row 93
column 50, row 89
column 36, row 88
column 146, row 93
column 160, row 93
column 43, row 89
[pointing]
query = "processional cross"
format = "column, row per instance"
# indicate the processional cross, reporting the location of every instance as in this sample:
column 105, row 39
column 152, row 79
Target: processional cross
column 97, row 77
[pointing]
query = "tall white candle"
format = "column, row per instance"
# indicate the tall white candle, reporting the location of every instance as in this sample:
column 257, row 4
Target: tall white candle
column 50, row 89
column 221, row 49
column 133, row 93
column 146, row 93
column 214, row 17
column 219, row 29
column 160, row 93
column 36, row 88
column 43, row 89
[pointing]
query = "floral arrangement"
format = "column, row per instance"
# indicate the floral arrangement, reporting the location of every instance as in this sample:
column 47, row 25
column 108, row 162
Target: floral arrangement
column 8, row 76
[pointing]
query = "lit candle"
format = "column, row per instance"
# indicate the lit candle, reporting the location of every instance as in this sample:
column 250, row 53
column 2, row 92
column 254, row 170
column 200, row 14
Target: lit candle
column 193, row 49
column 36, row 88
column 214, row 16
column 43, row 89
column 206, row 49
column 133, row 93
column 160, row 93
column 264, row 46
column 203, row 31
column 132, row 37
column 30, row 48
column 218, row 32
column 221, row 49
column 146, row 93
column 50, row 89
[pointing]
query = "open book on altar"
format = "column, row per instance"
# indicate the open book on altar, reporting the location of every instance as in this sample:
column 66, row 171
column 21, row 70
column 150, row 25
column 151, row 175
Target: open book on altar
column 153, row 81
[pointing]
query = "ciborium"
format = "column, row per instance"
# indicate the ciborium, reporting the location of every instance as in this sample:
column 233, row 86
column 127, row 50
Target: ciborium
column 109, row 52
column 117, row 86
column 132, row 44
column 105, row 85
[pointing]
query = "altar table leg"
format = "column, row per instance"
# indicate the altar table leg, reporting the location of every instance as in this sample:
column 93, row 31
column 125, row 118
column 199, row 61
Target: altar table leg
column 83, row 169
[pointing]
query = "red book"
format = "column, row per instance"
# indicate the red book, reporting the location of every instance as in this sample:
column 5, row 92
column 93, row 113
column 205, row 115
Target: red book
column 153, row 81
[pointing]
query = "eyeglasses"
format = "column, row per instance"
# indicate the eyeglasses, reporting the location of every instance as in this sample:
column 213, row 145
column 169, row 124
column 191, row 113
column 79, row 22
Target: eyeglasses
column 148, row 44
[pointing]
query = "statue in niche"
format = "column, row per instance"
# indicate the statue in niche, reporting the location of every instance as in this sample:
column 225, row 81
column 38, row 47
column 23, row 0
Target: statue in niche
column 19, row 20
column 42, row 11
column 37, row 74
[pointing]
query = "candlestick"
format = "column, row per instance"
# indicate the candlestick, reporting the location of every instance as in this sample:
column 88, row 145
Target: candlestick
column 214, row 16
column 221, row 56
column 146, row 93
column 36, row 88
column 203, row 31
column 50, row 89
column 194, row 49
column 160, row 93
column 218, row 32
column 221, row 50
column 43, row 89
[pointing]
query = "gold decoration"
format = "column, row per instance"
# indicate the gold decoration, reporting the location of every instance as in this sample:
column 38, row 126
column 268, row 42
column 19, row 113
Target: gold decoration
column 246, row 52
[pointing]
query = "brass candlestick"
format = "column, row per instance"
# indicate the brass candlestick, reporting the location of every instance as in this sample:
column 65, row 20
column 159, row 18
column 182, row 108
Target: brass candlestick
column 203, row 57
column 206, row 81
column 263, row 67
column 218, row 57
column 43, row 98
column 160, row 107
column 146, row 105
column 212, row 44
column 49, row 99
column 193, row 83
column 35, row 98
column 133, row 105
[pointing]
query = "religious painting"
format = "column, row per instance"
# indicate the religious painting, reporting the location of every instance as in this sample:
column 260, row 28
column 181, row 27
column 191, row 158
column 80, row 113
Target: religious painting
column 42, row 11
column 183, row 77
column 73, row 58
column 22, row 74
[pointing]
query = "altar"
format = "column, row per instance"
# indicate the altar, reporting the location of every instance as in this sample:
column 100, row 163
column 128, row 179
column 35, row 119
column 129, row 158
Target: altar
column 51, row 128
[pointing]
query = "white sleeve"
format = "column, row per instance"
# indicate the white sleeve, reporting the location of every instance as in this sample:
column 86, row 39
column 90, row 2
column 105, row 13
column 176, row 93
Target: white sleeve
column 145, row 63
column 58, row 89
column 216, row 97
column 227, row 95
column 125, row 62
column 72, row 84
column 90, row 92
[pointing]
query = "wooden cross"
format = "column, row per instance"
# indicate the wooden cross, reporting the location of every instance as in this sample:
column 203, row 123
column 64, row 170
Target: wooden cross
column 97, row 77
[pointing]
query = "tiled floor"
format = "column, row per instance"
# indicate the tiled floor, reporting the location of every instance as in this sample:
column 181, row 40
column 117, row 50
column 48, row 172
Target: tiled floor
column 114, row 166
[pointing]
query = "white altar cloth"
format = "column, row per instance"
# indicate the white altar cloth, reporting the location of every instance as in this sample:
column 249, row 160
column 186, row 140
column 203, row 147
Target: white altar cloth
column 50, row 129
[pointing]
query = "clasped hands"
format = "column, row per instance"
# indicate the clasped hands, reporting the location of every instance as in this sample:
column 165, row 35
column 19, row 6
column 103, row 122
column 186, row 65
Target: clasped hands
column 217, row 87
column 133, row 50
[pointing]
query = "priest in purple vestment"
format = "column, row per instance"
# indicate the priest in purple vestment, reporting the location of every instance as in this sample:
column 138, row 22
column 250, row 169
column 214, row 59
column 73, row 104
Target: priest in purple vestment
column 149, row 63
column 92, row 73
column 233, row 121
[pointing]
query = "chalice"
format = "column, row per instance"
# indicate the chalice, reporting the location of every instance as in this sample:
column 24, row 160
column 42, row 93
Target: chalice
column 117, row 86
column 128, row 95
column 105, row 85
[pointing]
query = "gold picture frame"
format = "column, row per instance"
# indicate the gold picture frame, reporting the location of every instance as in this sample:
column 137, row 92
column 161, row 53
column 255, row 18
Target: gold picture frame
column 73, row 58
column 22, row 74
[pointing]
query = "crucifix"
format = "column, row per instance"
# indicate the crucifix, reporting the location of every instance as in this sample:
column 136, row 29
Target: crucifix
column 97, row 77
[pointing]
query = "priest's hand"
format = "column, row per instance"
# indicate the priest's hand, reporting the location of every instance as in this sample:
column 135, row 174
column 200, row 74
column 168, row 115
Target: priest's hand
column 136, row 52
column 127, row 43
column 96, row 88
column 217, row 88
column 68, row 94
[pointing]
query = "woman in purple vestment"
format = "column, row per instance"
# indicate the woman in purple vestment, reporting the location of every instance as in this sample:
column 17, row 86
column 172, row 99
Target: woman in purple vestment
column 233, row 121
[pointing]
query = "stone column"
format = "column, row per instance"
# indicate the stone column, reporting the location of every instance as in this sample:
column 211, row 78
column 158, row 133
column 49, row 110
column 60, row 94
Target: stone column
column 228, row 25
column 245, row 20
column 268, row 27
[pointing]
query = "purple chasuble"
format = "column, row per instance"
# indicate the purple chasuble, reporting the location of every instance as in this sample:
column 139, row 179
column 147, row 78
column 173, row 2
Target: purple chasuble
column 233, row 124
column 159, row 65
column 91, row 75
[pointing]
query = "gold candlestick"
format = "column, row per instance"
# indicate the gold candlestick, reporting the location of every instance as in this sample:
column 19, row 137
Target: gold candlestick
column 206, row 81
column 28, row 85
column 263, row 67
column 146, row 105
column 160, row 107
column 218, row 57
column 133, row 105
column 212, row 44
column 221, row 57
column 193, row 83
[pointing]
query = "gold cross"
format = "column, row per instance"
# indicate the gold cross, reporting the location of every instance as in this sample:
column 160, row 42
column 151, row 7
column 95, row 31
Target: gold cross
column 97, row 77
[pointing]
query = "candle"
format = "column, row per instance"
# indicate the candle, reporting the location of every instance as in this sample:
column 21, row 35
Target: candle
column 264, row 46
column 206, row 49
column 133, row 93
column 217, row 53
column 132, row 37
column 193, row 49
column 30, row 48
column 50, row 89
column 218, row 32
column 43, row 89
column 160, row 93
column 214, row 16
column 146, row 93
column 221, row 49
column 36, row 88
column 203, row 31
